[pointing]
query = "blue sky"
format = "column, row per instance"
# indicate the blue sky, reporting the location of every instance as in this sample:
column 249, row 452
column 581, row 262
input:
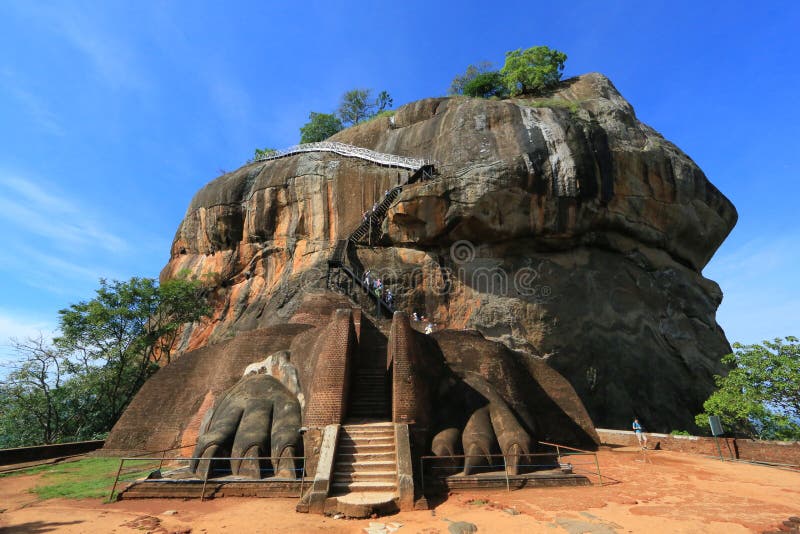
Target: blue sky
column 114, row 113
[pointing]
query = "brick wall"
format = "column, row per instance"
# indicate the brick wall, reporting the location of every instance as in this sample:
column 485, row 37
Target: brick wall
column 783, row 452
column 327, row 399
column 46, row 452
column 170, row 403
column 408, row 391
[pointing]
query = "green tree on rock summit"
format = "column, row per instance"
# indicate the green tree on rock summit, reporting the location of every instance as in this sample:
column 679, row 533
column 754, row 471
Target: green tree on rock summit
column 533, row 70
column 319, row 127
column 357, row 105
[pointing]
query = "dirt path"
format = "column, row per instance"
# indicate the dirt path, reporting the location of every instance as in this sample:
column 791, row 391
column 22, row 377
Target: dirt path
column 672, row 492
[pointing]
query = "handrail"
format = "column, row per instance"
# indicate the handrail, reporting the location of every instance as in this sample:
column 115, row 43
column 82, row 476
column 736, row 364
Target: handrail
column 565, row 447
column 162, row 459
column 381, row 158
column 576, row 452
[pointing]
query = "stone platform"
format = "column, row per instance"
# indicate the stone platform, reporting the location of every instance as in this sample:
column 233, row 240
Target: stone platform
column 498, row 479
column 179, row 485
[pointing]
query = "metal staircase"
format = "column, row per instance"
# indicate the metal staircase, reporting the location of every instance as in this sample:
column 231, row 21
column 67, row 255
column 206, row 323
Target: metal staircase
column 368, row 228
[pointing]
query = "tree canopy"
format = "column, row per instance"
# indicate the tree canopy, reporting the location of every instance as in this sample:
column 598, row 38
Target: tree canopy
column 472, row 72
column 528, row 71
column 319, row 127
column 760, row 396
column 532, row 70
column 78, row 386
column 357, row 105
column 486, row 85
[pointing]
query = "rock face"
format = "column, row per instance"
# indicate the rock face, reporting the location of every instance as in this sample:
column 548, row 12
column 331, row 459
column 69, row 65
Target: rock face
column 562, row 228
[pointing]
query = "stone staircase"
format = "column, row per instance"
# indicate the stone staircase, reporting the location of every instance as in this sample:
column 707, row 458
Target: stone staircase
column 365, row 471
column 368, row 399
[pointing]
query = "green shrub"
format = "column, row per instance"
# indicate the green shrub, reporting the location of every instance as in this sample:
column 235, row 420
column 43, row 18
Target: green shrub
column 573, row 107
column 486, row 85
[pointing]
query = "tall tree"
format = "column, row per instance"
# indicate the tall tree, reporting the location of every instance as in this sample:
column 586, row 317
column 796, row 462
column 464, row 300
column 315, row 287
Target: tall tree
column 384, row 101
column 319, row 127
column 355, row 106
column 33, row 405
column 760, row 396
column 533, row 70
column 109, row 345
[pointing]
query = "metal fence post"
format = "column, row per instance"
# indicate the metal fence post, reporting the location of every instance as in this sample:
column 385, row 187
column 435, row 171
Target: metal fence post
column 302, row 477
column 597, row 463
column 505, row 467
column 422, row 476
column 205, row 480
column 116, row 478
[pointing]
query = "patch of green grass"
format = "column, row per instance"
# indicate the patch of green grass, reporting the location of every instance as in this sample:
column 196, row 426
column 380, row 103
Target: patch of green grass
column 89, row 478
column 573, row 107
column 680, row 433
column 384, row 113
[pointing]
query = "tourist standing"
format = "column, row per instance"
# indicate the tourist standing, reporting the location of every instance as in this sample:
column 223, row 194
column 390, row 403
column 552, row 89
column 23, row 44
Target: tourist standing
column 640, row 435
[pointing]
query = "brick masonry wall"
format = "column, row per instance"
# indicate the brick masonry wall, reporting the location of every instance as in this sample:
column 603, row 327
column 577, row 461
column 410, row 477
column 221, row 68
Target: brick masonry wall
column 170, row 402
column 327, row 400
column 783, row 452
column 408, row 393
column 46, row 452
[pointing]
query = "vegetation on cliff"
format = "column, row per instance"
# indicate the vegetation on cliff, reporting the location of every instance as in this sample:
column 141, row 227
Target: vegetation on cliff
column 319, row 127
column 525, row 72
column 760, row 396
column 355, row 107
column 77, row 387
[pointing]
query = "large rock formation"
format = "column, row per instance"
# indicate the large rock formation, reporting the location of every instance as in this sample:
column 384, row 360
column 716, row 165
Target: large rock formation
column 562, row 228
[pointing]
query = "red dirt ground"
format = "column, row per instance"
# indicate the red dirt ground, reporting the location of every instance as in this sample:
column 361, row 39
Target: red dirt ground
column 671, row 492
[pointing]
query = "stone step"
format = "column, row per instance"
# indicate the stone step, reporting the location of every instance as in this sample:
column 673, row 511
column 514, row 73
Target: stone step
column 363, row 466
column 360, row 447
column 368, row 440
column 361, row 457
column 370, row 435
column 368, row 427
column 390, row 477
column 349, row 487
column 368, row 409
column 368, row 403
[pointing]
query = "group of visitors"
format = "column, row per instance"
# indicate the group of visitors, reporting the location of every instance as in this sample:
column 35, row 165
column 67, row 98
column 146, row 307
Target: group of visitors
column 374, row 206
column 375, row 285
column 421, row 318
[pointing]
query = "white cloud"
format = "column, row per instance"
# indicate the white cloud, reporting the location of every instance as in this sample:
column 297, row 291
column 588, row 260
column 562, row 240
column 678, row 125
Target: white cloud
column 114, row 60
column 33, row 105
column 33, row 209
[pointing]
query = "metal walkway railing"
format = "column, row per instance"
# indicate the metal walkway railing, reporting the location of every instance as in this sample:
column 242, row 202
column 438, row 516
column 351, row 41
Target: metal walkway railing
column 183, row 461
column 389, row 160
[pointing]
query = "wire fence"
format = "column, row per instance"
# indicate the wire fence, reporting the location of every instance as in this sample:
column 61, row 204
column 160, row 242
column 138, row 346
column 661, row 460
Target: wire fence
column 391, row 160
column 147, row 467
column 512, row 467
